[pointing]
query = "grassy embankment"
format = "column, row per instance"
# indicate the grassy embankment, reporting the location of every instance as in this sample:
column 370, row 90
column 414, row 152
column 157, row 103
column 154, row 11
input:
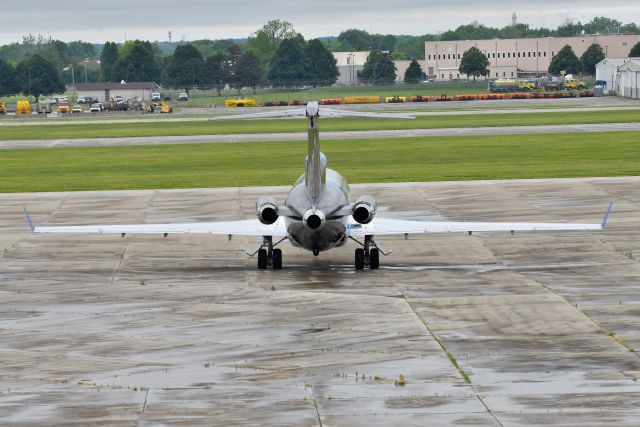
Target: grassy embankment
column 280, row 163
column 121, row 130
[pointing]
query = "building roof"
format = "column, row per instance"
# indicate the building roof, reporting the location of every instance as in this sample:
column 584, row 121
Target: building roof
column 633, row 64
column 616, row 62
column 116, row 86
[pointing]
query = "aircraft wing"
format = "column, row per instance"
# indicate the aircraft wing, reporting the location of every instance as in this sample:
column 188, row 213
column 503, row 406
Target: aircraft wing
column 383, row 226
column 250, row 227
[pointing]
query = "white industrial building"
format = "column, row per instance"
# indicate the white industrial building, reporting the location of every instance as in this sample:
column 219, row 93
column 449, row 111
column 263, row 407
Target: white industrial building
column 606, row 71
column 628, row 79
column 349, row 64
column 107, row 91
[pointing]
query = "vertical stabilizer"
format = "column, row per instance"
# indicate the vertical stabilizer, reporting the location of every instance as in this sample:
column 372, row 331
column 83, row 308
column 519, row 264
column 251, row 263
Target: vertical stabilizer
column 316, row 169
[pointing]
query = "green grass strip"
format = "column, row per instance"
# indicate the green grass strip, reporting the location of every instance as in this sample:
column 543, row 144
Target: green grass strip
column 121, row 130
column 281, row 163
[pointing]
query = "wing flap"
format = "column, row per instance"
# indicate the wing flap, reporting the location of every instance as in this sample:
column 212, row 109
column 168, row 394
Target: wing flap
column 383, row 226
column 251, row 227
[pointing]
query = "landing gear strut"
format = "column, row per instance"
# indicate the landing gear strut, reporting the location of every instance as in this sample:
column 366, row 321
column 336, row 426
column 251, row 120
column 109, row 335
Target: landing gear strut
column 268, row 256
column 368, row 255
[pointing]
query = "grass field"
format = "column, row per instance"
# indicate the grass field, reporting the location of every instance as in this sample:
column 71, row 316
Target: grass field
column 120, row 130
column 280, row 163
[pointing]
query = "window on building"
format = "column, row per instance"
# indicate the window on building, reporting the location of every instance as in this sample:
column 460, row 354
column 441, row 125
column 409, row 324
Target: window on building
column 429, row 57
column 538, row 54
column 509, row 55
column 457, row 76
column 534, row 54
column 624, row 43
column 448, row 56
column 544, row 53
column 512, row 74
column 504, row 74
column 513, row 55
column 503, row 55
column 494, row 55
column 496, row 74
column 529, row 54
column 443, row 76
column 459, row 56
column 553, row 54
column 518, row 54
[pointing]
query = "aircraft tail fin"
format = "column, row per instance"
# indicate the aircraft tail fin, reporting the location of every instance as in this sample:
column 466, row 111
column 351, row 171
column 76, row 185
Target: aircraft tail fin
column 315, row 174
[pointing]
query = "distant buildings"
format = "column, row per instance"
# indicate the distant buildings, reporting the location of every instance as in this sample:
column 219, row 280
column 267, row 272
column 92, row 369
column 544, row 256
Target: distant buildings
column 517, row 57
column 107, row 91
column 349, row 64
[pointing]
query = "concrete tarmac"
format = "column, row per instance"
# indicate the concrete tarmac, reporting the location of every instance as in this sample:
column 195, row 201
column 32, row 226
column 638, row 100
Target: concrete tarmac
column 184, row 330
column 302, row 136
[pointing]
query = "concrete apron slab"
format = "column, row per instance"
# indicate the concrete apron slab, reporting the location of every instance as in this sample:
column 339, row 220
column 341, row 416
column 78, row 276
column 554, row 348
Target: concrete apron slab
column 184, row 330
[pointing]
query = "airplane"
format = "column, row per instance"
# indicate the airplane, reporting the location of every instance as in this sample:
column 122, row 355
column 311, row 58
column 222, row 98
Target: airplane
column 318, row 214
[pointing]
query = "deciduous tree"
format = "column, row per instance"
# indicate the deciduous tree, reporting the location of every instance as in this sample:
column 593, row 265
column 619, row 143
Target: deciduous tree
column 217, row 71
column 137, row 63
column 185, row 68
column 7, row 79
column 108, row 59
column 248, row 71
column 565, row 61
column 591, row 57
column 290, row 64
column 474, row 63
column 324, row 70
column 635, row 51
column 413, row 73
column 36, row 76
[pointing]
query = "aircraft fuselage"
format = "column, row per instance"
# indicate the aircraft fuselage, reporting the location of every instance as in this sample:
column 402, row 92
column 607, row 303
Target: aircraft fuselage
column 334, row 197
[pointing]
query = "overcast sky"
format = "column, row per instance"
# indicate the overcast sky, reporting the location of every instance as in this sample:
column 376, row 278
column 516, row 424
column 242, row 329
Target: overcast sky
column 100, row 20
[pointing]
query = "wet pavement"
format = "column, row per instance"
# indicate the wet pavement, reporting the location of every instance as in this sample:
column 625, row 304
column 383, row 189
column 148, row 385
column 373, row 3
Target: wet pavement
column 183, row 330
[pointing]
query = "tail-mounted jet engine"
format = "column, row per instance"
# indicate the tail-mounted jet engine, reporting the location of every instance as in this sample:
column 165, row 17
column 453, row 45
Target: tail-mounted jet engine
column 313, row 219
column 364, row 209
column 267, row 210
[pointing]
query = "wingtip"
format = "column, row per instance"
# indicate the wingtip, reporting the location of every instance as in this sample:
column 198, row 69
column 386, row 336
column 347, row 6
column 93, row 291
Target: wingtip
column 603, row 224
column 31, row 226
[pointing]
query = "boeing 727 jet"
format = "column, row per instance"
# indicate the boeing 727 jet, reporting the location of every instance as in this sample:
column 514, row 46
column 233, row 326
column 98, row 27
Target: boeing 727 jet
column 318, row 214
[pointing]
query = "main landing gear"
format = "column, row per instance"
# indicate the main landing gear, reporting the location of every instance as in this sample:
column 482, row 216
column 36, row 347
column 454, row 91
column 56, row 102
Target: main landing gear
column 268, row 256
column 367, row 256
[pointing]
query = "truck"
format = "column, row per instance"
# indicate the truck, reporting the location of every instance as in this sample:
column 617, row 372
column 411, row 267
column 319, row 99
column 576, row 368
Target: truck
column 23, row 107
column 44, row 107
column 64, row 107
column 510, row 85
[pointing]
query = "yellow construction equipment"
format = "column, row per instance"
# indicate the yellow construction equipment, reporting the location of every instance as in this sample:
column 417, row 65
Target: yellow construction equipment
column 3, row 108
column 240, row 103
column 361, row 99
column 23, row 107
column 166, row 108
column 64, row 107
column 395, row 99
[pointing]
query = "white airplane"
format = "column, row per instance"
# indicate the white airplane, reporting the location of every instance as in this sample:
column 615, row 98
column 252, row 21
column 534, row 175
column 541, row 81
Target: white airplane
column 317, row 214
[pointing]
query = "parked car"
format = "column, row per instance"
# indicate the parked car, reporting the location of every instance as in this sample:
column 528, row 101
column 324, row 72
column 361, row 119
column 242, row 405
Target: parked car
column 119, row 98
column 82, row 100
column 155, row 96
column 122, row 106
column 183, row 96
column 77, row 109
column 96, row 108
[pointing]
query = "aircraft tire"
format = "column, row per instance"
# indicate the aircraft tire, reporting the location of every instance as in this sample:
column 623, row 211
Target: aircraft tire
column 374, row 259
column 277, row 259
column 359, row 260
column 263, row 260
